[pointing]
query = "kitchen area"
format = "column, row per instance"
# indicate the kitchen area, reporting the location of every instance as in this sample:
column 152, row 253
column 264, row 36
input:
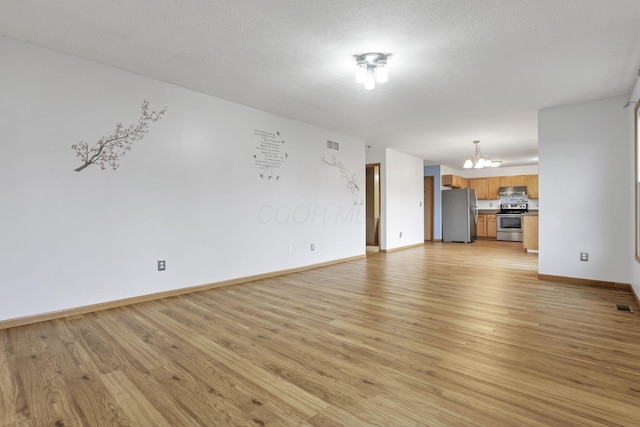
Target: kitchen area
column 499, row 208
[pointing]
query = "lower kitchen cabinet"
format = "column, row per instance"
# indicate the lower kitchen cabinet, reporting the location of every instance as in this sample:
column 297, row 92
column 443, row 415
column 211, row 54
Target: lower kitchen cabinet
column 481, row 227
column 486, row 227
column 491, row 226
column 530, row 232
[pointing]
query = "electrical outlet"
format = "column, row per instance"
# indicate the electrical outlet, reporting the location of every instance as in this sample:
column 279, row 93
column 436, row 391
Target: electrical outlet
column 162, row 265
column 290, row 249
column 584, row 256
column 313, row 246
column 401, row 234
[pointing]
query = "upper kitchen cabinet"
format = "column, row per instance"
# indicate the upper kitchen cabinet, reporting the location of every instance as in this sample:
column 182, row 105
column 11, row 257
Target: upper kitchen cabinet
column 454, row 181
column 481, row 186
column 512, row 181
column 532, row 186
column 487, row 188
column 518, row 180
column 493, row 183
column 505, row 181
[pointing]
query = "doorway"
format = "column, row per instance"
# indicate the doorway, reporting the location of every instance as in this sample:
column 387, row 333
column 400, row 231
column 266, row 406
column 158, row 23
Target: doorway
column 373, row 207
column 428, row 208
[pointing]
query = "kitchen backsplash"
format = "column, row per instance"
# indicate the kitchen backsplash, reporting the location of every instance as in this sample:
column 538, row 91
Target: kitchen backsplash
column 495, row 204
column 518, row 198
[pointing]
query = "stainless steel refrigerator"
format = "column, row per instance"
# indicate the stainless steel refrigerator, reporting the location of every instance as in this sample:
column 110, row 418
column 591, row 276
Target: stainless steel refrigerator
column 459, row 215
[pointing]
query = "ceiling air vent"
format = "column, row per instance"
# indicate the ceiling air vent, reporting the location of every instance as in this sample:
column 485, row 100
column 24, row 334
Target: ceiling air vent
column 333, row 145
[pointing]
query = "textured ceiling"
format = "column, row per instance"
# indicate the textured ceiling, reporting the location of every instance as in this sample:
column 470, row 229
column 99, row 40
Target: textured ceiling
column 461, row 69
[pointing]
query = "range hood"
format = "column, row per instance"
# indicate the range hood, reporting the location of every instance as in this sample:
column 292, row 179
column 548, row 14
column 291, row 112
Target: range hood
column 512, row 190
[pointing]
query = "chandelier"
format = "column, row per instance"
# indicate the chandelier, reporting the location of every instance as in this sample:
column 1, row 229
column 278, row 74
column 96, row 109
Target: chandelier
column 371, row 68
column 479, row 160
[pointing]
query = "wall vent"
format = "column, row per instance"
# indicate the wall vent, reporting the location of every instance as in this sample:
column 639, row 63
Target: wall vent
column 333, row 145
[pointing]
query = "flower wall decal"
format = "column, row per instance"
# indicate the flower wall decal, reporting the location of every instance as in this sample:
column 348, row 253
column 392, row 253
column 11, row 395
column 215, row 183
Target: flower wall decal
column 108, row 150
column 347, row 175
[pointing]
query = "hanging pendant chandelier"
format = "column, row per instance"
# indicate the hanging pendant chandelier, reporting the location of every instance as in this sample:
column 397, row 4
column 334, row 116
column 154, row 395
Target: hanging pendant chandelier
column 479, row 160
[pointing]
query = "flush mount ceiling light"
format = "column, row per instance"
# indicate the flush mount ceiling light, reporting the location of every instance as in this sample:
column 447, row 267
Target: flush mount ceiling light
column 479, row 160
column 371, row 68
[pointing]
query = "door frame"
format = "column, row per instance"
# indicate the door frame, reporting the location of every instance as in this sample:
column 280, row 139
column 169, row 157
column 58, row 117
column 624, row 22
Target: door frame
column 428, row 205
column 376, row 168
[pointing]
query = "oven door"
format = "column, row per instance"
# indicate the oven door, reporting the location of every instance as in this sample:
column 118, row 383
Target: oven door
column 509, row 227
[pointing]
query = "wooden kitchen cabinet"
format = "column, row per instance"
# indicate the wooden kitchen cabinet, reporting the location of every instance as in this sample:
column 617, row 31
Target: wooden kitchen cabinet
column 481, row 227
column 487, row 188
column 532, row 186
column 491, row 226
column 481, row 187
column 518, row 180
column 505, row 181
column 486, row 227
column 530, row 232
column 511, row 181
column 493, row 183
column 454, row 181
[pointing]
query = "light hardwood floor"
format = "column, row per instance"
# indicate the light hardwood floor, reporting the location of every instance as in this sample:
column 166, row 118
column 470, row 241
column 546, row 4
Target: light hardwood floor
column 440, row 335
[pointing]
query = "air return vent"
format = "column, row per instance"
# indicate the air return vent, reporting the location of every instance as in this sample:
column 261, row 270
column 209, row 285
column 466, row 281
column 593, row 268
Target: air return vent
column 620, row 307
column 333, row 145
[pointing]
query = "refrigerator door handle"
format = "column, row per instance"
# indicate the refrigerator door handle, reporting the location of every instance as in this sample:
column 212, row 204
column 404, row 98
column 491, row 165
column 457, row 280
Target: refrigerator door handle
column 475, row 209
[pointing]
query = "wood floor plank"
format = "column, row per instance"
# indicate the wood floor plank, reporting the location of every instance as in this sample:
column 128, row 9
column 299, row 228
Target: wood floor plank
column 440, row 335
column 92, row 402
column 240, row 386
column 284, row 361
column 12, row 399
column 131, row 400
column 46, row 395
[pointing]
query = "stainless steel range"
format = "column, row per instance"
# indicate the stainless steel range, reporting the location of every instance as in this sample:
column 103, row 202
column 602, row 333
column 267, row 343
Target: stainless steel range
column 513, row 205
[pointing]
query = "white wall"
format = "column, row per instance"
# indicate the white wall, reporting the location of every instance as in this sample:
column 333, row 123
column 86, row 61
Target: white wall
column 404, row 194
column 189, row 192
column 635, row 265
column 586, row 177
column 401, row 193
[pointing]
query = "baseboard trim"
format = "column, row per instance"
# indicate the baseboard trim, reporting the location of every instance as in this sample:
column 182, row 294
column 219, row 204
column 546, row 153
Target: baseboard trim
column 588, row 282
column 76, row 311
column 402, row 248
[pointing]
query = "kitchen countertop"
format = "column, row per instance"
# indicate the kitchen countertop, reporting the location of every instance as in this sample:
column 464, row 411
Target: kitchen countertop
column 495, row 211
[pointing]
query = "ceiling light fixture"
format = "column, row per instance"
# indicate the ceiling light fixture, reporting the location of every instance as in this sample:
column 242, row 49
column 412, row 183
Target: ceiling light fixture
column 371, row 69
column 479, row 161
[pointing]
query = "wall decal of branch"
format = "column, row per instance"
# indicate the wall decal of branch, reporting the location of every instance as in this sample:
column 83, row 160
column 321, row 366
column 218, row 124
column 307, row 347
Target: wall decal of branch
column 347, row 175
column 108, row 150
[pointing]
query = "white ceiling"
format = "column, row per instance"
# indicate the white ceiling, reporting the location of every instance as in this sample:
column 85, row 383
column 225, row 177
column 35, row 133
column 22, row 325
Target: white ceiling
column 460, row 70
